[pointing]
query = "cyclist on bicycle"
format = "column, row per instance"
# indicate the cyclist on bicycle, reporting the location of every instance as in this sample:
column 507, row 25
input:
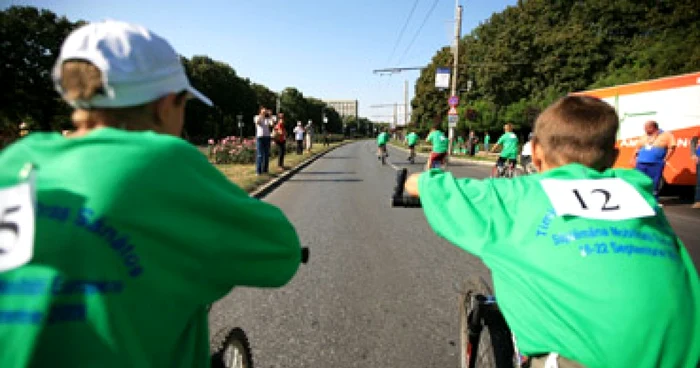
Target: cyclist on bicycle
column 411, row 140
column 135, row 232
column 440, row 145
column 585, row 264
column 382, row 140
column 509, row 153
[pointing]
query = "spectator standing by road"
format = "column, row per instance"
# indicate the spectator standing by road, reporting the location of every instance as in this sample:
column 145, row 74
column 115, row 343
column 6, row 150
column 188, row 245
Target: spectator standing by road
column 487, row 139
column 653, row 151
column 263, row 123
column 299, row 137
column 309, row 135
column 695, row 153
column 281, row 139
column 473, row 141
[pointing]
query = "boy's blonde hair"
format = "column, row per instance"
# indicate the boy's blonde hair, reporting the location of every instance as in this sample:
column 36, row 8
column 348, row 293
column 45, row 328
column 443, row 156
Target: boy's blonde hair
column 82, row 80
column 578, row 129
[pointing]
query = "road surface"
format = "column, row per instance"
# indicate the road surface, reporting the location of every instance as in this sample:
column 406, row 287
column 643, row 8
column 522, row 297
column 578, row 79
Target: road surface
column 380, row 289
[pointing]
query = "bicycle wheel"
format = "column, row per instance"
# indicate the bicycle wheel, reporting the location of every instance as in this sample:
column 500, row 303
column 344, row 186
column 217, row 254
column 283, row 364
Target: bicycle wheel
column 234, row 351
column 494, row 172
column 515, row 172
column 493, row 346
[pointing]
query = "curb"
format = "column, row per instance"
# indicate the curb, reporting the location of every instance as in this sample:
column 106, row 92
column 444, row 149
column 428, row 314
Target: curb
column 452, row 158
column 270, row 186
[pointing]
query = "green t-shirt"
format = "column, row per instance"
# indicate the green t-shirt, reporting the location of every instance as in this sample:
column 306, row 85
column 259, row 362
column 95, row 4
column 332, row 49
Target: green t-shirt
column 412, row 138
column 509, row 141
column 487, row 139
column 382, row 138
column 604, row 292
column 439, row 141
column 135, row 234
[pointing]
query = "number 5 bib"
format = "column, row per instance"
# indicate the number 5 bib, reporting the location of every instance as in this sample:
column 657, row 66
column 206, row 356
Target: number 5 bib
column 17, row 216
column 603, row 199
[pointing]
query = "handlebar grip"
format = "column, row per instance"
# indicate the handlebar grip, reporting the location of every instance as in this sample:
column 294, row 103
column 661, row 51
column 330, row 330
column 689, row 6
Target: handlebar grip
column 406, row 201
column 401, row 177
column 304, row 255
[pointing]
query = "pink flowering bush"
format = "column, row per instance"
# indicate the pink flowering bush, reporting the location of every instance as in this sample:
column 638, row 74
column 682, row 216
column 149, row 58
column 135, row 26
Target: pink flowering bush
column 233, row 150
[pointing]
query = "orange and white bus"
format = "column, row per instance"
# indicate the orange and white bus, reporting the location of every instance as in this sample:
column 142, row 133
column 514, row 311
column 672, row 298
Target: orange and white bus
column 673, row 102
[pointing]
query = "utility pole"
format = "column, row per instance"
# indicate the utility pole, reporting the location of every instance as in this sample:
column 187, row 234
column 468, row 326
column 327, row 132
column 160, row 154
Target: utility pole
column 395, row 112
column 405, row 106
column 455, row 67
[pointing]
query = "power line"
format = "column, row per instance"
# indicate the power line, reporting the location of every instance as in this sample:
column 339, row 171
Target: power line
column 403, row 29
column 425, row 20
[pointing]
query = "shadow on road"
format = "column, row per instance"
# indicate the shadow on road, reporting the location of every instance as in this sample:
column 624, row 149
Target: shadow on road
column 326, row 180
column 326, row 172
column 336, row 157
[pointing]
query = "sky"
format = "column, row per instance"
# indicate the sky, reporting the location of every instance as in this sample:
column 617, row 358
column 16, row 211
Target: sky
column 326, row 49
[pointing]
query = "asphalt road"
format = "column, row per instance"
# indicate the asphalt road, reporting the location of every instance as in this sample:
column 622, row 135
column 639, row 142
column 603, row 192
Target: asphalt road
column 380, row 289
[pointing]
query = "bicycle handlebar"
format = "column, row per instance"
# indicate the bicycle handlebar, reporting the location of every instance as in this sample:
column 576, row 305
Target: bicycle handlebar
column 399, row 199
column 305, row 255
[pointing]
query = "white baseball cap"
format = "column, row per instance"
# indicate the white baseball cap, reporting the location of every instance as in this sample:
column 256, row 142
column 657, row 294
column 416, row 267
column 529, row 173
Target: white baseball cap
column 137, row 65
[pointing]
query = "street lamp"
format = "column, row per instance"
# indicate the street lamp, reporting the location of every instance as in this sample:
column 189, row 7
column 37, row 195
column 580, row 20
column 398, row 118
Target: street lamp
column 325, row 122
column 240, row 124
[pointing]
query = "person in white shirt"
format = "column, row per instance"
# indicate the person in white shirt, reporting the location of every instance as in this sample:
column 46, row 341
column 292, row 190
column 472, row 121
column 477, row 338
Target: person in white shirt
column 263, row 123
column 526, row 155
column 299, row 137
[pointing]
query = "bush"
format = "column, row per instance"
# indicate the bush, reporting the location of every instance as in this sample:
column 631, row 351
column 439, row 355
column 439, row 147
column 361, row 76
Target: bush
column 232, row 150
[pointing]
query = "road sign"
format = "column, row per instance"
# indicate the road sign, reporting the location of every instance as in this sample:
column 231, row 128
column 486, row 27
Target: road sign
column 452, row 120
column 453, row 101
column 442, row 78
column 452, row 111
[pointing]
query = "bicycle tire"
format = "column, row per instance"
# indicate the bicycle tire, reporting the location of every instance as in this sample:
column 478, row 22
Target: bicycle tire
column 494, row 346
column 494, row 172
column 234, row 351
column 516, row 172
column 473, row 285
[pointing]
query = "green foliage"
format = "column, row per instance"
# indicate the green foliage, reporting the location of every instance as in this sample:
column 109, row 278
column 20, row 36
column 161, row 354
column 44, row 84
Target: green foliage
column 527, row 56
column 31, row 39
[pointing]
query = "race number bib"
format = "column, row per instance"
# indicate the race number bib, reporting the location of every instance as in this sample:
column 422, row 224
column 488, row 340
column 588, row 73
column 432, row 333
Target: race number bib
column 17, row 214
column 603, row 199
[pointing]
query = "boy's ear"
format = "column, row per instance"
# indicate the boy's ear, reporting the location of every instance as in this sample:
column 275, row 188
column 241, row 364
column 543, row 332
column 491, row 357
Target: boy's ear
column 537, row 155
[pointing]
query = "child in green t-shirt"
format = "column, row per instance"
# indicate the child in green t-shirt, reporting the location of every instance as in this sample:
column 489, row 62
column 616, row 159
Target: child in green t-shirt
column 440, row 145
column 585, row 264
column 382, row 140
column 509, row 154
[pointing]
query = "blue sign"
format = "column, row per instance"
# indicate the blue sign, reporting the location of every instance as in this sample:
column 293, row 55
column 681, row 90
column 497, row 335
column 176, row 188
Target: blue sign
column 453, row 101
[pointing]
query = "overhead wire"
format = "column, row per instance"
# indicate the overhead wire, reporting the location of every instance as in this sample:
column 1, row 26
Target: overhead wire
column 425, row 20
column 403, row 30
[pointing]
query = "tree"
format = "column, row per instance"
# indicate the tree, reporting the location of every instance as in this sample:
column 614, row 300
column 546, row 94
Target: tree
column 264, row 96
column 522, row 59
column 230, row 94
column 31, row 41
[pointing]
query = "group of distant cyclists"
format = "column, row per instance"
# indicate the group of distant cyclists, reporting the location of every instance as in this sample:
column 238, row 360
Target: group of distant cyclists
column 508, row 144
column 115, row 237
